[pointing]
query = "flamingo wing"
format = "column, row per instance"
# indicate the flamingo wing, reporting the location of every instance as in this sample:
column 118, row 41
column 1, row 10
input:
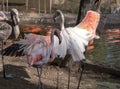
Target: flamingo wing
column 90, row 22
column 77, row 38
column 19, row 48
column 12, row 50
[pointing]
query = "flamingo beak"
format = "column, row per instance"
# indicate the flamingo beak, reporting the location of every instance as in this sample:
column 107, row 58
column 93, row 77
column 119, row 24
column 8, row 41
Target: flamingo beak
column 55, row 16
column 57, row 33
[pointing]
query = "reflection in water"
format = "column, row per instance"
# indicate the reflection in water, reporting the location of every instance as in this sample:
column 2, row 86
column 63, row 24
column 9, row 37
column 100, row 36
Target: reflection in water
column 113, row 42
column 113, row 35
column 107, row 48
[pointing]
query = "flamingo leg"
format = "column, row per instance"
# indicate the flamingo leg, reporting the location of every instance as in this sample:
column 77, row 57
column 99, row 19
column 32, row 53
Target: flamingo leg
column 81, row 73
column 57, row 85
column 39, row 70
column 3, row 63
column 68, row 74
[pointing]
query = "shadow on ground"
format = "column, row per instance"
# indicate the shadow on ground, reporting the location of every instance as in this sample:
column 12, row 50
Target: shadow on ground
column 21, row 79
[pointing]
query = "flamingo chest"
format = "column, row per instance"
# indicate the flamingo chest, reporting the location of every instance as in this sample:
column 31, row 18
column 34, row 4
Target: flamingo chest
column 38, row 53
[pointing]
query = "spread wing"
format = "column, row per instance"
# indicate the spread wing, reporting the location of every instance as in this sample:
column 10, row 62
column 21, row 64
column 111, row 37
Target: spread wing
column 13, row 50
column 19, row 48
column 90, row 22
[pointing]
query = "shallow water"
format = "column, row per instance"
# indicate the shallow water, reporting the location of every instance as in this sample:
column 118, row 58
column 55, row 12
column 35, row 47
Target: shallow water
column 107, row 48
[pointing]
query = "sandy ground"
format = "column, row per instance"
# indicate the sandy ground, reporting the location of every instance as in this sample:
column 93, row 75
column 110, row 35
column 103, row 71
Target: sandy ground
column 25, row 77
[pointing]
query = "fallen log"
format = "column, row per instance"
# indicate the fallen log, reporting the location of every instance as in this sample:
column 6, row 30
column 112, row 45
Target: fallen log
column 101, row 68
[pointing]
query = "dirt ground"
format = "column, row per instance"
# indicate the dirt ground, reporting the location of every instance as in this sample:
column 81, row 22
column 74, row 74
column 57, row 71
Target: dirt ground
column 53, row 77
column 25, row 77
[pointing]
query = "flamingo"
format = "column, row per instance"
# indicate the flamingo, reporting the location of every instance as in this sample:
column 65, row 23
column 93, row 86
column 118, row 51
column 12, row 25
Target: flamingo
column 39, row 49
column 77, row 38
column 85, row 28
column 3, row 16
column 8, row 29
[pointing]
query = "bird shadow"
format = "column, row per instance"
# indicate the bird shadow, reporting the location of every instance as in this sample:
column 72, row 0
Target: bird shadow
column 20, row 79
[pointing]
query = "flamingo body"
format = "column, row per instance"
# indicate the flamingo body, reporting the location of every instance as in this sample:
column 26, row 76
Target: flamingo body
column 8, row 29
column 5, row 31
column 77, row 38
column 38, row 48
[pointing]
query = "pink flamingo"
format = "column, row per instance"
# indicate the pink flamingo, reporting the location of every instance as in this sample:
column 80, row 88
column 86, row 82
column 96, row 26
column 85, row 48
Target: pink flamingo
column 8, row 29
column 77, row 38
column 38, row 49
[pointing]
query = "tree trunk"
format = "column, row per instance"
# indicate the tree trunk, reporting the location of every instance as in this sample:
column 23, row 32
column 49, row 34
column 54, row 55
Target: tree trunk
column 84, row 6
column 79, row 17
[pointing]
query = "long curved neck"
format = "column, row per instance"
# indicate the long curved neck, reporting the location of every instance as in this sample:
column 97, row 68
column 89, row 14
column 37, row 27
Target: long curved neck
column 15, row 26
column 14, row 19
column 62, row 21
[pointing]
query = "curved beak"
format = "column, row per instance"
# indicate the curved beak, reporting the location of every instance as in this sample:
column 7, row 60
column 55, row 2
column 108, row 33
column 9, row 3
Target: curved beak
column 55, row 16
column 57, row 33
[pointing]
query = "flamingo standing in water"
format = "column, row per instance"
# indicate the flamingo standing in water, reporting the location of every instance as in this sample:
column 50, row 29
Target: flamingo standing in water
column 77, row 38
column 8, row 29
column 39, row 49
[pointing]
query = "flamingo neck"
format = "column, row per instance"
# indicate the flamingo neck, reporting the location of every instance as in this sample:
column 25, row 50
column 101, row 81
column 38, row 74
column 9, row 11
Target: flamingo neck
column 15, row 26
column 62, row 25
column 62, row 21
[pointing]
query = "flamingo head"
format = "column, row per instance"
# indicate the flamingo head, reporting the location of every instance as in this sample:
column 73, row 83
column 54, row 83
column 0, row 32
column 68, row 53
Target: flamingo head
column 15, row 15
column 56, row 32
column 15, row 22
column 59, row 19
column 58, row 16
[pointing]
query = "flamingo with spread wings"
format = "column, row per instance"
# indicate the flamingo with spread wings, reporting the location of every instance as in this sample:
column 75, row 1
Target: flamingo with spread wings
column 74, row 42
column 38, row 49
column 77, row 38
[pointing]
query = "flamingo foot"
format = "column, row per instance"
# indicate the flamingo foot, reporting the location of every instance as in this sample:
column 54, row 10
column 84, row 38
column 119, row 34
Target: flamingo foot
column 40, row 85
